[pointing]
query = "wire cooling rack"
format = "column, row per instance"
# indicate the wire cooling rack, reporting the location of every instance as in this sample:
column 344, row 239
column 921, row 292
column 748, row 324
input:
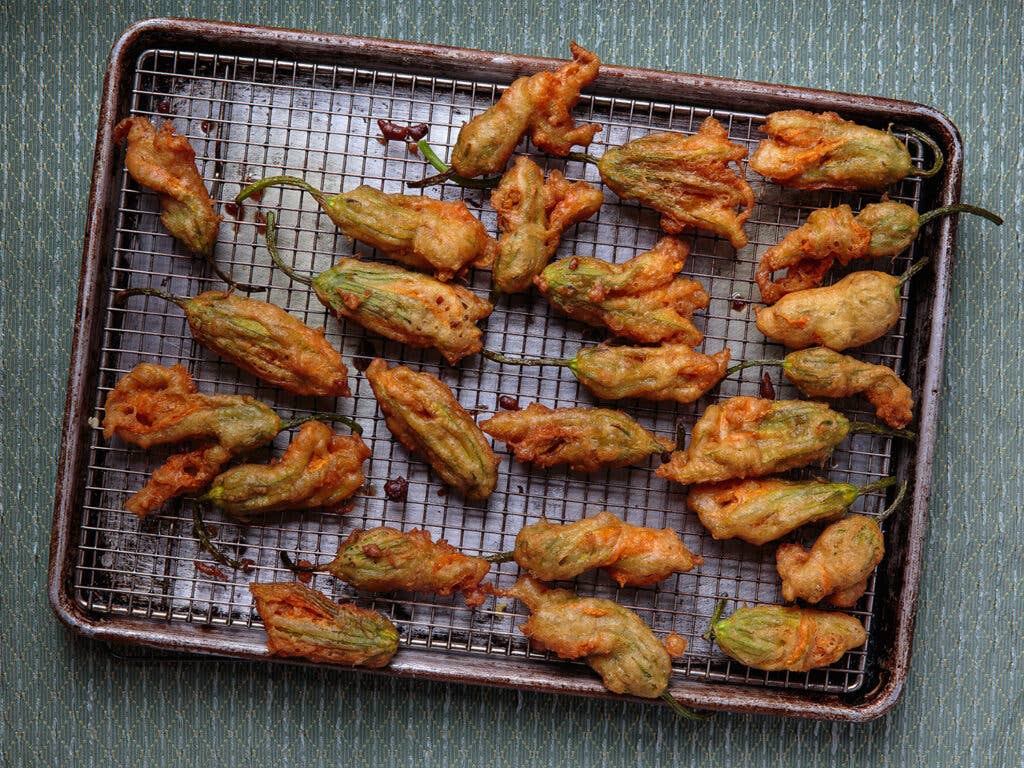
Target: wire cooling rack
column 250, row 117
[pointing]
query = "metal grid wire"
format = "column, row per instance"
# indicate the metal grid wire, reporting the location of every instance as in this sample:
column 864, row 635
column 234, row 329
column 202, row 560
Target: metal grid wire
column 248, row 118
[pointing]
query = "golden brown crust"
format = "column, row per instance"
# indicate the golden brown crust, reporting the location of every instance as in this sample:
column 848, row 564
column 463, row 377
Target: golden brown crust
column 666, row 372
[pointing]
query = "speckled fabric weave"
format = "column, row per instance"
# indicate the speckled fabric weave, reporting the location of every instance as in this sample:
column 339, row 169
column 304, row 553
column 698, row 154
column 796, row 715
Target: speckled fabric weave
column 69, row 702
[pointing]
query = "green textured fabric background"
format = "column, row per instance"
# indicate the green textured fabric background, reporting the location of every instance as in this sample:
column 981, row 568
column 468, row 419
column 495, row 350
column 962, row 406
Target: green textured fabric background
column 69, row 702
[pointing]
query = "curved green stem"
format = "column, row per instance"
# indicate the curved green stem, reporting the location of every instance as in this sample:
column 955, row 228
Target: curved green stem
column 896, row 503
column 294, row 567
column 331, row 417
column 751, row 364
column 498, row 357
column 930, row 142
column 867, row 428
column 924, row 218
column 206, row 543
column 271, row 237
column 243, row 287
column 276, row 181
column 679, row 709
column 447, row 173
column 121, row 296
column 501, row 557
column 914, row 268
column 709, row 633
column 432, row 156
column 583, row 157
column 878, row 485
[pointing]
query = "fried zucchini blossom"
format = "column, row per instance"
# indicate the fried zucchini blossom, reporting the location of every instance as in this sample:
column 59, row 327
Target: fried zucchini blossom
column 642, row 299
column 807, row 150
column 532, row 215
column 318, row 469
column 587, row 439
column 751, row 437
column 436, row 236
column 165, row 162
column 762, row 510
column 423, row 414
column 667, row 372
column 692, row 181
column 633, row 555
column 540, row 105
column 303, row 623
column 821, row 372
column 854, row 311
column 262, row 339
column 408, row 307
column 835, row 234
column 779, row 638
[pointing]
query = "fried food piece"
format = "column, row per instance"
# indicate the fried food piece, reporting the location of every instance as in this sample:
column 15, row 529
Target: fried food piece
column 541, row 104
column 532, row 215
column 805, row 150
column 411, row 308
column 155, row 405
column 302, row 622
column 751, row 436
column 587, row 439
column 776, row 637
column 666, row 372
column 386, row 560
column 318, row 469
column 856, row 310
column 262, row 339
column 759, row 511
column 612, row 640
column 165, row 162
column 820, row 372
column 687, row 179
column 427, row 419
column 631, row 554
column 837, row 567
column 641, row 299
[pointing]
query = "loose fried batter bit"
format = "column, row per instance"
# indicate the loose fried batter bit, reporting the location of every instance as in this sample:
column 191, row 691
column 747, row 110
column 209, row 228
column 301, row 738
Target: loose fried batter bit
column 690, row 180
column 776, row 638
column 427, row 419
column 750, row 436
column 631, row 554
column 302, row 622
column 532, row 215
column 262, row 339
column 587, row 439
column 155, row 405
column 386, row 560
column 837, row 567
column 542, row 105
column 612, row 640
column 318, row 469
column 759, row 511
column 165, row 162
column 641, row 299
column 666, row 372
column 805, row 150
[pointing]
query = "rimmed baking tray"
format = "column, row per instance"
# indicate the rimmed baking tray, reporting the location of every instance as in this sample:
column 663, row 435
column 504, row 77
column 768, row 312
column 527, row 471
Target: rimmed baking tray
column 256, row 101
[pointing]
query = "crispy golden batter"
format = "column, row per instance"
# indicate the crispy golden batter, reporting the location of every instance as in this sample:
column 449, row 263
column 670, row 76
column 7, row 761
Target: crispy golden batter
column 775, row 637
column 532, row 215
column 436, row 236
column 302, row 622
column 822, row 151
column 687, row 179
column 318, row 469
column 820, row 372
column 411, row 308
column 587, row 439
column 856, row 310
column 541, row 104
column 759, row 511
column 631, row 554
column 427, row 419
column 613, row 640
column 155, row 405
column 837, row 567
column 750, row 436
column 387, row 560
column 165, row 162
column 666, row 372
column 835, row 234
column 641, row 299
